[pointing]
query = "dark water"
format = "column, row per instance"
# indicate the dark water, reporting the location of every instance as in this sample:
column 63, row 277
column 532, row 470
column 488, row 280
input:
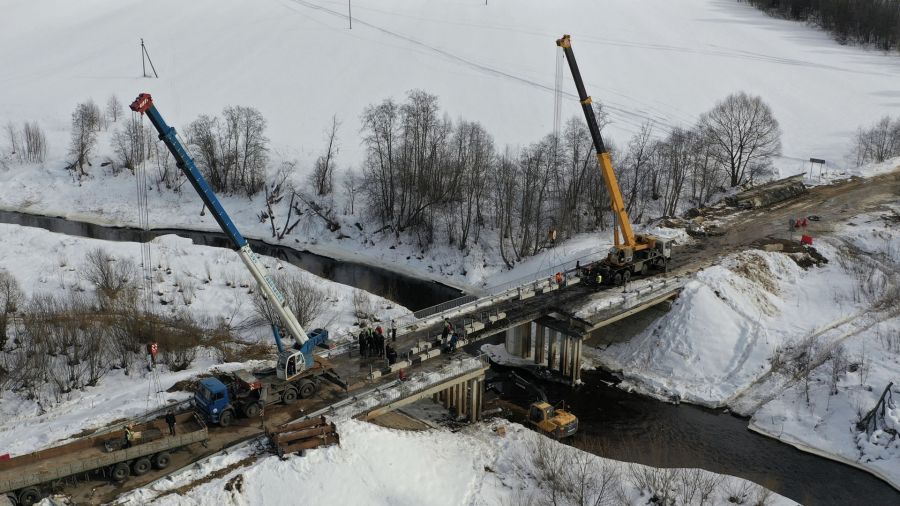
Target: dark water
column 407, row 291
column 639, row 429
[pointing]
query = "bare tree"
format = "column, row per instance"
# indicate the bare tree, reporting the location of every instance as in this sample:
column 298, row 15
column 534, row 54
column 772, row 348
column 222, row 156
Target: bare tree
column 550, row 464
column 593, row 481
column 131, row 144
column 109, row 275
column 745, row 136
column 351, row 184
column 35, row 142
column 878, row 142
column 246, row 148
column 804, row 364
column 362, row 304
column 305, row 299
column 839, row 364
column 634, row 180
column 12, row 136
column 233, row 152
column 473, row 159
column 85, row 121
column 11, row 297
column 322, row 177
column 407, row 157
column 114, row 108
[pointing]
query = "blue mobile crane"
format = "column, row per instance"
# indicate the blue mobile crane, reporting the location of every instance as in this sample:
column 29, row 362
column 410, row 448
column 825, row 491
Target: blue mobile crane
column 298, row 372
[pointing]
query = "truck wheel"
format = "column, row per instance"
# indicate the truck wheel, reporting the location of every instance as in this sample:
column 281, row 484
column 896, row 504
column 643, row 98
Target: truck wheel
column 645, row 269
column 626, row 276
column 141, row 466
column 252, row 410
column 307, row 389
column 226, row 418
column 120, row 472
column 617, row 279
column 29, row 496
column 290, row 396
column 161, row 460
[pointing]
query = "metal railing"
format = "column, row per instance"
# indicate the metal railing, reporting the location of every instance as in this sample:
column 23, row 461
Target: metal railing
column 444, row 306
column 527, row 280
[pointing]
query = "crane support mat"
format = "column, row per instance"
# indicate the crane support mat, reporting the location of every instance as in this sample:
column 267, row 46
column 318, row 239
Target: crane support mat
column 304, row 435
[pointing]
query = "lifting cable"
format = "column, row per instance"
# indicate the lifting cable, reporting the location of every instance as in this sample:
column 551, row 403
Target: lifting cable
column 553, row 259
column 140, row 151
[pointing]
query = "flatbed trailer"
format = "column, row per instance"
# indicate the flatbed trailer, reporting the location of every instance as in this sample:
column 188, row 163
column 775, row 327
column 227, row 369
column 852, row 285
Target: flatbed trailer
column 26, row 479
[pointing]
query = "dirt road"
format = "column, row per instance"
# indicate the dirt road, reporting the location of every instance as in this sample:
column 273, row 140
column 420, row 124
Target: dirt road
column 833, row 204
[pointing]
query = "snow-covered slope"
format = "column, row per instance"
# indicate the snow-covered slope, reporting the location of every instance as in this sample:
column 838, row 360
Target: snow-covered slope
column 723, row 331
column 48, row 263
column 742, row 331
column 297, row 61
column 378, row 466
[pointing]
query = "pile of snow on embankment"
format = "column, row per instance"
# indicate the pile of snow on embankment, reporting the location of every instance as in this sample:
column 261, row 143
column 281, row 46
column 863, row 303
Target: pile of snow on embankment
column 378, row 466
column 853, row 369
column 722, row 330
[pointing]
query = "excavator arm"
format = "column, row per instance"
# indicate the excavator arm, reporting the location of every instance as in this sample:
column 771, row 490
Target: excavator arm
column 623, row 236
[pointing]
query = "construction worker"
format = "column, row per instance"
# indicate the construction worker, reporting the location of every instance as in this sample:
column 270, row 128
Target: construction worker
column 364, row 343
column 453, row 339
column 391, row 354
column 129, row 436
column 448, row 327
column 379, row 341
column 170, row 421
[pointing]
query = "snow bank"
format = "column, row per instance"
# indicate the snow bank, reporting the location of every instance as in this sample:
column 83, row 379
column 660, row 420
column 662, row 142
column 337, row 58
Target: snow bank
column 826, row 423
column 724, row 328
column 379, row 466
column 829, row 173
column 49, row 263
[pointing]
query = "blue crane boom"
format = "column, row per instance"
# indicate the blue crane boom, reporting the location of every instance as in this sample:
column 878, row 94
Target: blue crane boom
column 290, row 363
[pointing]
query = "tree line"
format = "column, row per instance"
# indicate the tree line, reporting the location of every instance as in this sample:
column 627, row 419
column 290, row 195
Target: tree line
column 435, row 181
column 869, row 22
column 445, row 182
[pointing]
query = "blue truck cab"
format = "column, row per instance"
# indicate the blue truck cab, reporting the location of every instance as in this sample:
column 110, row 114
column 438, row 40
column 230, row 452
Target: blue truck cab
column 211, row 399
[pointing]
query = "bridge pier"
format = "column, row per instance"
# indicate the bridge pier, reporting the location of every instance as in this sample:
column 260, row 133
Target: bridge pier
column 465, row 398
column 518, row 340
column 548, row 347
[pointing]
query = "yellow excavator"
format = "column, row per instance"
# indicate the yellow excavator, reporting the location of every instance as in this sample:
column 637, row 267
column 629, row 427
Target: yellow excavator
column 631, row 254
column 543, row 416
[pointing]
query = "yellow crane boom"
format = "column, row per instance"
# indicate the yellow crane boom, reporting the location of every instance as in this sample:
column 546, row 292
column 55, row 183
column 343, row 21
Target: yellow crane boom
column 624, row 237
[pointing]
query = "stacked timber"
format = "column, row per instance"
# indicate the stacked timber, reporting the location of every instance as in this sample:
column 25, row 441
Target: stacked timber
column 306, row 435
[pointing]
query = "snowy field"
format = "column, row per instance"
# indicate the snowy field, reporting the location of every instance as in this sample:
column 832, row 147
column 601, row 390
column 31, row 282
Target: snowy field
column 30, row 424
column 298, row 63
column 475, row 466
column 742, row 330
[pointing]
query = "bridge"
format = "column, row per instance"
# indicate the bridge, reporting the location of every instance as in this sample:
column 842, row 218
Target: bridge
column 544, row 318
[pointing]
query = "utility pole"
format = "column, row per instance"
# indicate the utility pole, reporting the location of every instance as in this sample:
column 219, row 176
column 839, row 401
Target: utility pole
column 146, row 56
column 349, row 14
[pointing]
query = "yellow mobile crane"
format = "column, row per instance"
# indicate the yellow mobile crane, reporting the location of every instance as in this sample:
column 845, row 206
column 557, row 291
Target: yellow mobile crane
column 631, row 254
